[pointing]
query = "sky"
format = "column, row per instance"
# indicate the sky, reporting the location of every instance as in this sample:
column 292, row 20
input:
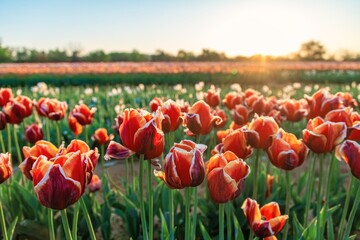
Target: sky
column 243, row 27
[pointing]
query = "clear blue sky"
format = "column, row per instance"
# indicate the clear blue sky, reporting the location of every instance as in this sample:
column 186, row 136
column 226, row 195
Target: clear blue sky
column 243, row 27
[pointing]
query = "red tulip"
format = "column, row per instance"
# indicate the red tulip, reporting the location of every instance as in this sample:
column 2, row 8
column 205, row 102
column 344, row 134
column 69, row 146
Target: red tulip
column 17, row 109
column 340, row 115
column 293, row 110
column 172, row 116
column 3, row 121
column 140, row 133
column 258, row 104
column 5, row 96
column 83, row 114
column 347, row 99
column 155, row 103
column 95, row 184
column 33, row 133
column 266, row 221
column 118, row 121
column 51, row 108
column 199, row 119
column 251, row 92
column 349, row 152
column 261, row 131
column 322, row 102
column 5, row 167
column 74, row 125
column 183, row 165
column 322, row 136
column 241, row 114
column 226, row 174
column 232, row 99
column 212, row 98
column 286, row 151
column 101, row 136
column 221, row 113
column 235, row 141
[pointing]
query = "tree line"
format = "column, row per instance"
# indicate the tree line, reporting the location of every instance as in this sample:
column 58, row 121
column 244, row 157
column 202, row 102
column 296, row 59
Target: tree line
column 308, row 51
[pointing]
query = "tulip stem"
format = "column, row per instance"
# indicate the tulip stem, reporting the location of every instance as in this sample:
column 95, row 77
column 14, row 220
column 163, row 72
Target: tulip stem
column 228, row 221
column 221, row 221
column 87, row 219
column 319, row 197
column 9, row 138
column 309, row 191
column 151, row 200
column 86, row 134
column 287, row 204
column 187, row 212
column 171, row 210
column 346, row 207
column 65, row 223
column 58, row 136
column 75, row 220
column 2, row 142
column 51, row 223
column 132, row 173
column 193, row 232
column 352, row 213
column 256, row 172
column 3, row 223
column 142, row 206
column 17, row 145
column 47, row 122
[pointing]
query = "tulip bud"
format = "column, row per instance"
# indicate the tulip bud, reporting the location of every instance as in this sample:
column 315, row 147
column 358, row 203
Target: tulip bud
column 5, row 167
column 33, row 133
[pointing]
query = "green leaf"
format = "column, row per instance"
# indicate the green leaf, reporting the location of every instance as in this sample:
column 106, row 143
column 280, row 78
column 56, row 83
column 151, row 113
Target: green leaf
column 164, row 228
column 11, row 228
column 238, row 232
column 297, row 227
column 330, row 230
column 310, row 231
column 204, row 232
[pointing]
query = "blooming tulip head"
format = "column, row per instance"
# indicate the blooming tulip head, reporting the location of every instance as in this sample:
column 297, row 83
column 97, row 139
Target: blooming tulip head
column 172, row 116
column 95, row 184
column 266, row 221
column 33, row 133
column 200, row 120
column 232, row 99
column 155, row 103
column 141, row 133
column 226, row 174
column 322, row 136
column 221, row 113
column 322, row 102
column 286, row 151
column 340, row 115
column 51, row 108
column 212, row 97
column 349, row 152
column 101, row 136
column 83, row 114
column 347, row 99
column 5, row 96
column 17, row 109
column 74, row 125
column 184, row 165
column 3, row 120
column 5, row 167
column 261, row 131
column 293, row 110
column 241, row 114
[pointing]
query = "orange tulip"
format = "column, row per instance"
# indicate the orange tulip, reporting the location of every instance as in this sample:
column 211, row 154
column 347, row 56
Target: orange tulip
column 3, row 121
column 226, row 174
column 83, row 114
column 212, row 98
column 269, row 185
column 286, row 151
column 118, row 121
column 349, row 152
column 33, row 133
column 95, row 184
column 293, row 110
column 172, row 116
column 17, row 109
column 235, row 141
column 140, row 133
column 322, row 136
column 101, row 136
column 340, row 115
column 74, row 125
column 258, row 104
column 183, row 165
column 347, row 99
column 221, row 113
column 322, row 102
column 5, row 96
column 199, row 119
column 261, row 131
column 241, row 114
column 5, row 167
column 155, row 103
column 266, row 221
column 232, row 99
column 51, row 108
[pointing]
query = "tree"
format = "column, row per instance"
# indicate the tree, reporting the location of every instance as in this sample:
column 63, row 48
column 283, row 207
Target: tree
column 97, row 56
column 5, row 53
column 312, row 50
column 57, row 56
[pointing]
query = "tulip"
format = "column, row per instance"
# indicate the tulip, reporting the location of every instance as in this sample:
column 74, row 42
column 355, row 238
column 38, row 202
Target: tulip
column 101, row 136
column 199, row 119
column 241, row 114
column 3, row 121
column 221, row 113
column 293, row 110
column 322, row 102
column 51, row 108
column 261, row 131
column 5, row 96
column 226, row 174
column 140, row 133
column 95, row 184
column 74, row 125
column 5, row 167
column 118, row 121
column 340, row 115
column 347, row 99
column 269, row 185
column 286, row 151
column 212, row 98
column 155, row 103
column 349, row 152
column 322, row 136
column 17, row 109
column 83, row 114
column 33, row 133
column 266, row 221
column 258, row 104
column 172, row 116
column 232, row 99
column 183, row 165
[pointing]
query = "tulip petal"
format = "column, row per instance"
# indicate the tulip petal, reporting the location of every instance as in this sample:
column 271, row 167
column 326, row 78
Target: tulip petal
column 117, row 151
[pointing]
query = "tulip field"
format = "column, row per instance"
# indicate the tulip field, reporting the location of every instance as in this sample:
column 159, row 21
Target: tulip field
column 180, row 161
